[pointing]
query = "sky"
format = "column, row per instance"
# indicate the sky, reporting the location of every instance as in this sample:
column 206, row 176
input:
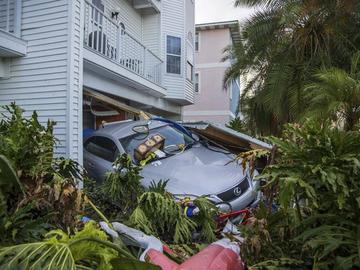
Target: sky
column 219, row 10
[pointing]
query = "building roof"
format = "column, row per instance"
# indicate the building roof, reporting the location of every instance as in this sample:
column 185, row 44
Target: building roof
column 234, row 27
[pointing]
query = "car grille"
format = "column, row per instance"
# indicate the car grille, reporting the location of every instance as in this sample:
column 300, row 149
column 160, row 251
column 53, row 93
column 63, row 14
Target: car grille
column 235, row 192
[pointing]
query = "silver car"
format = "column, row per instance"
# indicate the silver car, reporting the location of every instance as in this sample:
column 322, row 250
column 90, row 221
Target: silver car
column 195, row 169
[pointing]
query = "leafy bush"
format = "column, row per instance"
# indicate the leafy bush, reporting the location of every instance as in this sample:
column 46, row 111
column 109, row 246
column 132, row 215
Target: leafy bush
column 123, row 186
column 159, row 214
column 26, row 143
column 122, row 198
column 88, row 248
column 37, row 191
column 117, row 196
column 238, row 125
column 316, row 181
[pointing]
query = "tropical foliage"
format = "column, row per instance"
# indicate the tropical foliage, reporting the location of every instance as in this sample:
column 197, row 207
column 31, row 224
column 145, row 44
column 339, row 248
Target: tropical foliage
column 158, row 213
column 316, row 182
column 153, row 211
column 118, row 194
column 86, row 249
column 237, row 124
column 335, row 95
column 39, row 192
column 283, row 44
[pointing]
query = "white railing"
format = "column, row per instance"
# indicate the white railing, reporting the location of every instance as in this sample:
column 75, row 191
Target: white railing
column 111, row 41
column 10, row 16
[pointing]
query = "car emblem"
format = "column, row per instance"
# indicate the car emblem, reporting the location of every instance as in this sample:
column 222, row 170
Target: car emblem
column 237, row 191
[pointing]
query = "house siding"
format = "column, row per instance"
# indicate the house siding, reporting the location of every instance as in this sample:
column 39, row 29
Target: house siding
column 38, row 81
column 213, row 102
column 151, row 32
column 49, row 75
column 189, row 28
column 75, row 80
column 130, row 17
column 49, row 78
column 179, row 89
column 173, row 24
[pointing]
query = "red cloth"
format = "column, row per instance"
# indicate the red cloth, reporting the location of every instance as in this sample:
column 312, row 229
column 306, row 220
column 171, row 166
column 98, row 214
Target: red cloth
column 214, row 257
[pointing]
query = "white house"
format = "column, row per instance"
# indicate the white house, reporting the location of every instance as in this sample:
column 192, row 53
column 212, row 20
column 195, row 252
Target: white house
column 59, row 57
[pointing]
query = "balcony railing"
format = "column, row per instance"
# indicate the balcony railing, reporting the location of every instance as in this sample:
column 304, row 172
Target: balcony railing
column 112, row 42
column 10, row 16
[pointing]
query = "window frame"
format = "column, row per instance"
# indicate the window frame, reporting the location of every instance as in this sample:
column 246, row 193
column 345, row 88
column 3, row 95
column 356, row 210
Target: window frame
column 190, row 58
column 192, row 76
column 197, row 82
column 174, row 55
column 197, row 41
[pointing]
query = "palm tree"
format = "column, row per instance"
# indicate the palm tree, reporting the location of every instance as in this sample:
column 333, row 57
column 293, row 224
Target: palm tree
column 336, row 95
column 282, row 44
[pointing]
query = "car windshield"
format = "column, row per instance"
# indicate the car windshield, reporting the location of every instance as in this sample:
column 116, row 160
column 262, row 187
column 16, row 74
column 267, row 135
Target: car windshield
column 171, row 135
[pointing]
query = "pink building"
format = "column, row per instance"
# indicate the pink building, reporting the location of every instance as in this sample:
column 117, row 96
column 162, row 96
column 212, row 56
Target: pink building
column 212, row 102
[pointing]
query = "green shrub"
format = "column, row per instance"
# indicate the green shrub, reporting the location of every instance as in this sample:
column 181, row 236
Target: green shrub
column 316, row 184
column 37, row 191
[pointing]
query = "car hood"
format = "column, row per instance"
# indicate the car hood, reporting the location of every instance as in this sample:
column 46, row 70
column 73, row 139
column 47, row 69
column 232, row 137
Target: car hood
column 198, row 171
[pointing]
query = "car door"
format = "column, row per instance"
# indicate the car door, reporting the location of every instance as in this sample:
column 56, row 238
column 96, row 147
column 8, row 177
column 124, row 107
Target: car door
column 100, row 154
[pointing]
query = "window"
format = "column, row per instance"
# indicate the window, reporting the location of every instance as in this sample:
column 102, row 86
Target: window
column 189, row 71
column 173, row 55
column 197, row 83
column 197, row 41
column 190, row 57
column 102, row 147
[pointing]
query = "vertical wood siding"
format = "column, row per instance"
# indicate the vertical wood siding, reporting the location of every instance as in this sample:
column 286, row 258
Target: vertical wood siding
column 75, row 80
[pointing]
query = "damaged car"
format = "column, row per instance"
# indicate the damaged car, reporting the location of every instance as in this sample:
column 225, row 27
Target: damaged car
column 192, row 165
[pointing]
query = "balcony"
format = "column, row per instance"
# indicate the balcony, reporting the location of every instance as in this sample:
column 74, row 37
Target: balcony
column 109, row 41
column 11, row 45
column 148, row 6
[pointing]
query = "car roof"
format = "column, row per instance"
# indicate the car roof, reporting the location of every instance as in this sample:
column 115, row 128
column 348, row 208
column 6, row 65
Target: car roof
column 124, row 128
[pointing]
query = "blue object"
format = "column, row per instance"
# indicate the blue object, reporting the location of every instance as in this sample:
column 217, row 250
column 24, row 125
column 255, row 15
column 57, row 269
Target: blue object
column 88, row 132
column 189, row 211
column 174, row 124
column 85, row 219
